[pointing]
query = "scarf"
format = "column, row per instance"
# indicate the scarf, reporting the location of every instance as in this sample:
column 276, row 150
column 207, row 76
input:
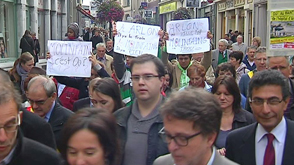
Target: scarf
column 23, row 75
column 184, row 77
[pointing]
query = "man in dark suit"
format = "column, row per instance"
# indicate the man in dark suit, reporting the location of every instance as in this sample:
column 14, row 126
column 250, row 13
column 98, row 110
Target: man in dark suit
column 270, row 140
column 221, row 54
column 42, row 95
column 14, row 148
column 191, row 126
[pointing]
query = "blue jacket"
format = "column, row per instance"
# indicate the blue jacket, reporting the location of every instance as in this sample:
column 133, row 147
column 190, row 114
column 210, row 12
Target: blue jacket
column 249, row 67
column 156, row 147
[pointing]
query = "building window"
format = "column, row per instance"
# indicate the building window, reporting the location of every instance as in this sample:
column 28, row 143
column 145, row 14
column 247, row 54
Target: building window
column 7, row 32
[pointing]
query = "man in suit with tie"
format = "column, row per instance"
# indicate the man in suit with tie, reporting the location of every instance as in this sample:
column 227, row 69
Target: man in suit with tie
column 42, row 95
column 103, row 57
column 191, row 125
column 270, row 140
column 221, row 54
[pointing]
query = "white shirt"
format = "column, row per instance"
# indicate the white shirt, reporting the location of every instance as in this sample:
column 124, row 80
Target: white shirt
column 212, row 156
column 261, row 142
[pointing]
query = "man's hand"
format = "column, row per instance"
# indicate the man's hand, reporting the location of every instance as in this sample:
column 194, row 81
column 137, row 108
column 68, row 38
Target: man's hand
column 48, row 56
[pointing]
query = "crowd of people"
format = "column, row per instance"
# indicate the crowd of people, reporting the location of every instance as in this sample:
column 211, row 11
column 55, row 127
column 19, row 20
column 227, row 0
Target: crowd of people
column 220, row 107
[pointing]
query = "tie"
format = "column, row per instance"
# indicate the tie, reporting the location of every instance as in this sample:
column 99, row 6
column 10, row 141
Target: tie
column 269, row 155
column 100, row 59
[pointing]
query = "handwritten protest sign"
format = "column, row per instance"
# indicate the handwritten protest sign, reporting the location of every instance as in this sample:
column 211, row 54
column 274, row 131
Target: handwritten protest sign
column 282, row 29
column 188, row 36
column 136, row 39
column 69, row 58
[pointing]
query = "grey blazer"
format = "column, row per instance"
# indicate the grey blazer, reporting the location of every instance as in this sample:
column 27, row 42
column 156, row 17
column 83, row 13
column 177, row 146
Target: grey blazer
column 218, row 160
column 214, row 58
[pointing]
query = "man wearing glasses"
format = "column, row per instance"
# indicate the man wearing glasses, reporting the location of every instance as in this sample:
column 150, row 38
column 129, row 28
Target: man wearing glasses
column 270, row 140
column 260, row 62
column 14, row 148
column 42, row 94
column 282, row 64
column 191, row 126
column 138, row 124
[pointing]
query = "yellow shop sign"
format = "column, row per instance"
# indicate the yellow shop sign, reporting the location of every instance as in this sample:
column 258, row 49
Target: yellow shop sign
column 169, row 7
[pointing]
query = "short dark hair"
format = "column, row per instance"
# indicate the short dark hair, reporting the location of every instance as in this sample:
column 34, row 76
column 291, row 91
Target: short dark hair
column 189, row 55
column 238, row 55
column 100, row 122
column 149, row 58
column 269, row 77
column 109, row 87
column 225, row 67
column 204, row 111
column 232, row 87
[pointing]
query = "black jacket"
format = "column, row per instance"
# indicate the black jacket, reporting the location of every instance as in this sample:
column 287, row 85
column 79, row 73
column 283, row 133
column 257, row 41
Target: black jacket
column 27, row 45
column 81, row 103
column 58, row 118
column 95, row 40
column 36, row 128
column 29, row 152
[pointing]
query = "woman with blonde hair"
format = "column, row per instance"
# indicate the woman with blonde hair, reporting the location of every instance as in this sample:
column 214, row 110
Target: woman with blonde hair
column 256, row 41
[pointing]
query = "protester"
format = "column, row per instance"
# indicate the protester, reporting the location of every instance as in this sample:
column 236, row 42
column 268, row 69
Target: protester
column 226, row 90
column 106, row 95
column 209, row 75
column 179, row 69
column 15, row 148
column 270, row 140
column 256, row 41
column 105, row 59
column 109, row 47
column 73, row 33
column 240, row 45
column 20, row 70
column 236, row 58
column 42, row 95
column 249, row 58
column 228, row 69
column 221, row 54
column 168, row 80
column 96, row 39
column 191, row 125
column 89, row 137
column 282, row 64
column 260, row 58
column 196, row 74
column 139, row 123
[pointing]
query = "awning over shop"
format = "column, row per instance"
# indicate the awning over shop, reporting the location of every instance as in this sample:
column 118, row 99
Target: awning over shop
column 85, row 13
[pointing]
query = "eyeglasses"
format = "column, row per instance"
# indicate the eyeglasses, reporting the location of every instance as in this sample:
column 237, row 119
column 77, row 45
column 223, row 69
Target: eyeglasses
column 40, row 102
column 270, row 101
column 12, row 125
column 179, row 140
column 146, row 77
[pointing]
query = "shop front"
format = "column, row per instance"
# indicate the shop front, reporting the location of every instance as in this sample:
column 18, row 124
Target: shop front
column 165, row 11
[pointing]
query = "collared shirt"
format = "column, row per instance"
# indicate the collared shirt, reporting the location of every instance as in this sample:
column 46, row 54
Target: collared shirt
column 102, row 59
column 240, row 47
column 261, row 142
column 8, row 158
column 47, row 116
